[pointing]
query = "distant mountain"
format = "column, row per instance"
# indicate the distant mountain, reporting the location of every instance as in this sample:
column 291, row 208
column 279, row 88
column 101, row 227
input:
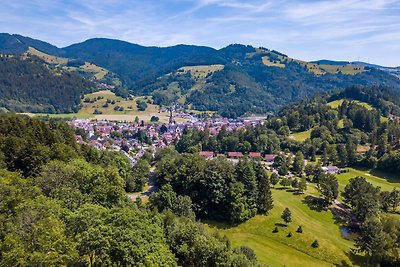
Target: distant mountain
column 233, row 81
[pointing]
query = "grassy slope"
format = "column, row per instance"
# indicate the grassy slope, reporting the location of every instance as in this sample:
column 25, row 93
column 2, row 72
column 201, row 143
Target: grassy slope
column 301, row 136
column 385, row 180
column 110, row 114
column 98, row 72
column 276, row 249
column 267, row 62
column 337, row 103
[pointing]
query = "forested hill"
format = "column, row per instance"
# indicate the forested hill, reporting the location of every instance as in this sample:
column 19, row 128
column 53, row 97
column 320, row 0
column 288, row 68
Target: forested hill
column 27, row 84
column 233, row 81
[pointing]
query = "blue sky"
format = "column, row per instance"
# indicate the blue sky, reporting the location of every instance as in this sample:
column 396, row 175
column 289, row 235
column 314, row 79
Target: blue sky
column 367, row 30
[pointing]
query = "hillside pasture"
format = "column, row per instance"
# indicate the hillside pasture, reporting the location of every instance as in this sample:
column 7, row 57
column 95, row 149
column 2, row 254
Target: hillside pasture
column 201, row 71
column 47, row 58
column 348, row 69
column 129, row 112
column 268, row 62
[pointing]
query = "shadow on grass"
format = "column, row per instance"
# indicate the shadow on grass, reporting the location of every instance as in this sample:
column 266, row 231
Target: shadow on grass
column 280, row 224
column 315, row 203
column 390, row 177
column 355, row 259
column 220, row 225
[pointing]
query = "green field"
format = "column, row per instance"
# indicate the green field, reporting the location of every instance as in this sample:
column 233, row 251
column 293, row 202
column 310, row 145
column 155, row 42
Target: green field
column 386, row 181
column 337, row 103
column 301, row 136
column 276, row 249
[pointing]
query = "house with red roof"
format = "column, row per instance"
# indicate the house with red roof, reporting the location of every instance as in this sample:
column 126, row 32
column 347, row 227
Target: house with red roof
column 255, row 155
column 269, row 158
column 235, row 155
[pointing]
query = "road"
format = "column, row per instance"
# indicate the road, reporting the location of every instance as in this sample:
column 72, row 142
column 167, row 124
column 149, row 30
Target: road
column 151, row 188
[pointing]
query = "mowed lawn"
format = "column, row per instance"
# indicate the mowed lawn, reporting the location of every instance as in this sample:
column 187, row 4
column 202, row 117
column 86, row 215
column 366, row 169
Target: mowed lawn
column 386, row 181
column 276, row 249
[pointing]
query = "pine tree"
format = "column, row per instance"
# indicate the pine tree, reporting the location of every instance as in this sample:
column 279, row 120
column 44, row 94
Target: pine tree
column 264, row 200
column 287, row 215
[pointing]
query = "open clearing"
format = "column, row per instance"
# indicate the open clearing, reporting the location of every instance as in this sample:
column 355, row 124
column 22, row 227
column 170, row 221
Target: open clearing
column 47, row 58
column 129, row 112
column 337, row 103
column 267, row 62
column 201, row 71
column 301, row 136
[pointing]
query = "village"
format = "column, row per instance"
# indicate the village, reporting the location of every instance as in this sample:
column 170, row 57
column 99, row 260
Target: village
column 133, row 139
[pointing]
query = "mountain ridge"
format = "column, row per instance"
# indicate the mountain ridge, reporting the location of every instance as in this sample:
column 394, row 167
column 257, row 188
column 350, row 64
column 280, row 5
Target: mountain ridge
column 252, row 80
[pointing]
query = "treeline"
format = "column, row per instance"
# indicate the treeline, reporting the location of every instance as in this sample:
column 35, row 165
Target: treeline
column 29, row 85
column 64, row 204
column 385, row 99
column 217, row 189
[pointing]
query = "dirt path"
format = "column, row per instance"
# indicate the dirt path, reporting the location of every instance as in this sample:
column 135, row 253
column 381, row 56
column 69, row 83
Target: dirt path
column 152, row 187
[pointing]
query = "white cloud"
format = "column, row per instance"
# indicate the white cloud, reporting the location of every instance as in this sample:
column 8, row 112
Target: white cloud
column 308, row 29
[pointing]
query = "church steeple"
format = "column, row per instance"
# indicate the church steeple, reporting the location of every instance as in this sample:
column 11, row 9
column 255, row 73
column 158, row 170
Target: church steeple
column 171, row 116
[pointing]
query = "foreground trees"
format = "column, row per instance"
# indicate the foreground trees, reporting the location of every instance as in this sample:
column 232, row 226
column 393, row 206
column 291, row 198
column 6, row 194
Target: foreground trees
column 68, row 207
column 218, row 189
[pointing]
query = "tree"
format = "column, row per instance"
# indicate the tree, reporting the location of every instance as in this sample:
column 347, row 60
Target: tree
column 141, row 105
column 287, row 215
column 302, row 185
column 328, row 186
column 363, row 198
column 38, row 236
column 274, row 178
column 285, row 182
column 371, row 239
column 395, row 199
column 298, row 163
column 315, row 244
column 264, row 199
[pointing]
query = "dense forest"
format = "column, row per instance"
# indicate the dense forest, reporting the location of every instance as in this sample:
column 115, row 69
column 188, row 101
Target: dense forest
column 64, row 204
column 30, row 85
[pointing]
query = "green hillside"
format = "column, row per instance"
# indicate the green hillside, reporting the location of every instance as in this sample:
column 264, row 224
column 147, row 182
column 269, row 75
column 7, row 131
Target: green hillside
column 27, row 84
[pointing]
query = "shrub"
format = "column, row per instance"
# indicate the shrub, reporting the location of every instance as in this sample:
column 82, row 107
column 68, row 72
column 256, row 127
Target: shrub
column 315, row 244
column 299, row 229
